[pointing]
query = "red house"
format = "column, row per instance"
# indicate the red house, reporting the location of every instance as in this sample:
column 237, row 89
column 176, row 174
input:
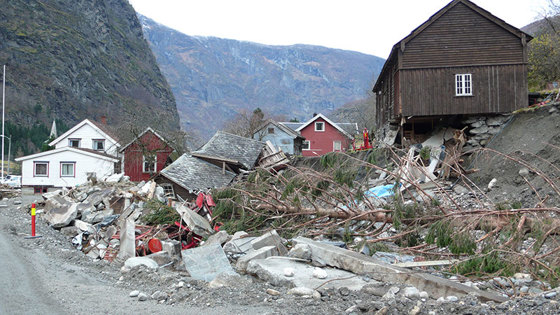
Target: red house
column 146, row 155
column 323, row 136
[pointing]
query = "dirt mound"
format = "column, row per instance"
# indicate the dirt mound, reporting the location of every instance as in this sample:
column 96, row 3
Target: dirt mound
column 524, row 158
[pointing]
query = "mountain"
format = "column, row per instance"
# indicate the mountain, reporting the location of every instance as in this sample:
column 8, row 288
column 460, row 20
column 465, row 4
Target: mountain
column 76, row 59
column 213, row 78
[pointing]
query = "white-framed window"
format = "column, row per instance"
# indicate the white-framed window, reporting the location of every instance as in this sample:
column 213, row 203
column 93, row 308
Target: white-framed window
column 337, row 145
column 41, row 169
column 463, row 84
column 319, row 126
column 67, row 169
column 74, row 142
column 271, row 130
column 98, row 144
column 306, row 145
column 149, row 163
column 168, row 190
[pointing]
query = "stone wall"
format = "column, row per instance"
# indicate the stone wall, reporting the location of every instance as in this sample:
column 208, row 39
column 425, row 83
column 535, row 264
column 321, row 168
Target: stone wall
column 482, row 128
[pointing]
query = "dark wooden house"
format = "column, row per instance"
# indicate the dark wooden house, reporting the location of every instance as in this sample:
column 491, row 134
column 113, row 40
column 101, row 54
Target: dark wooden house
column 462, row 61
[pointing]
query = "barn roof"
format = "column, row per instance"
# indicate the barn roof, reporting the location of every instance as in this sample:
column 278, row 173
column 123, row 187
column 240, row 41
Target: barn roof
column 227, row 146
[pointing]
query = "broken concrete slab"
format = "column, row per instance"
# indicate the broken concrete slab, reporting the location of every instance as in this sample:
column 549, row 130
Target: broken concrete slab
column 206, row 262
column 239, row 246
column 70, row 231
column 260, row 253
column 162, row 258
column 270, row 238
column 195, row 222
column 301, row 251
column 378, row 270
column 272, row 271
column 221, row 238
column 127, row 240
column 61, row 217
column 84, row 226
column 173, row 247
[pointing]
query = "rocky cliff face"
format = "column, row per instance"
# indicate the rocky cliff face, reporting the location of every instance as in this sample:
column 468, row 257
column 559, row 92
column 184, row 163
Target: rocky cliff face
column 76, row 59
column 214, row 78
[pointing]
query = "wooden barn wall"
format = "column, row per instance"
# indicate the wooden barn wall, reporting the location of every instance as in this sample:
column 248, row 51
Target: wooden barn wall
column 496, row 89
column 385, row 108
column 462, row 37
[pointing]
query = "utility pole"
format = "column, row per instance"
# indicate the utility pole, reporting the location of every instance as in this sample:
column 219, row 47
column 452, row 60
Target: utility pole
column 3, row 107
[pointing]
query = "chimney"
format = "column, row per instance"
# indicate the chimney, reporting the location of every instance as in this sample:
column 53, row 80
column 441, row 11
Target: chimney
column 103, row 119
column 314, row 114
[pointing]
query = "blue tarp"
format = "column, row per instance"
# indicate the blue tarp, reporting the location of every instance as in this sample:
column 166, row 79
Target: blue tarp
column 381, row 191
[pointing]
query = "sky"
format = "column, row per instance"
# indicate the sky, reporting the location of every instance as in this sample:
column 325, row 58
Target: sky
column 368, row 26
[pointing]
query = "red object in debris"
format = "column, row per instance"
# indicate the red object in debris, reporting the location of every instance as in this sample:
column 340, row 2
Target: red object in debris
column 33, row 219
column 200, row 200
column 154, row 245
column 209, row 201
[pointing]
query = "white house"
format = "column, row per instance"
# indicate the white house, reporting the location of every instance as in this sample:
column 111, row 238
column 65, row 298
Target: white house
column 87, row 148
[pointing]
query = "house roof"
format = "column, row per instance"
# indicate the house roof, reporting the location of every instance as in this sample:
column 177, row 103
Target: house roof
column 103, row 129
column 195, row 174
column 281, row 126
column 292, row 125
column 149, row 129
column 337, row 126
column 512, row 29
column 83, row 151
column 228, row 146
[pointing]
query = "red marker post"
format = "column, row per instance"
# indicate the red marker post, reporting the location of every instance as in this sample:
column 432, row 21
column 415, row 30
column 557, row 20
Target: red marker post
column 32, row 220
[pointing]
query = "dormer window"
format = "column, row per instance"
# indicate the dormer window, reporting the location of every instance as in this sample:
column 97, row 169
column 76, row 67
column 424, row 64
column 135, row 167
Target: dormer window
column 99, row 144
column 319, row 126
column 74, row 143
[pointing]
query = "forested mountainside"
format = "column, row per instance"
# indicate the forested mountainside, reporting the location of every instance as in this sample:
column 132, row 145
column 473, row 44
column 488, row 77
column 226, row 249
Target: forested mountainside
column 75, row 59
column 213, row 78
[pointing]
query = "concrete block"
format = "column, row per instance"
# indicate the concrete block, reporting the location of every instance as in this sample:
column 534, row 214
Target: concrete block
column 84, row 226
column 206, row 262
column 195, row 222
column 270, row 238
column 62, row 216
column 161, row 258
column 127, row 240
column 241, row 245
column 260, row 253
column 219, row 238
column 301, row 251
column 378, row 270
column 172, row 247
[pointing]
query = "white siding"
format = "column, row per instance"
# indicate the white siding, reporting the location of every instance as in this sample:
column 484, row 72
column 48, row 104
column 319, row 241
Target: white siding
column 84, row 164
column 87, row 134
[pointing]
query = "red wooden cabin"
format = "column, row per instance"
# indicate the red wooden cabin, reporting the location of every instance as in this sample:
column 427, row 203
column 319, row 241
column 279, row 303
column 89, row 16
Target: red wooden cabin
column 323, row 136
column 146, row 155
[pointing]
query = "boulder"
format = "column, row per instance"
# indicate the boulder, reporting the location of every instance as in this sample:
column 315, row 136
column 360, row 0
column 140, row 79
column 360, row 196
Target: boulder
column 138, row 261
column 62, row 216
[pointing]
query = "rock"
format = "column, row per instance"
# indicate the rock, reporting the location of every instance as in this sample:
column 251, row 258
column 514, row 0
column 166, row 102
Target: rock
column 239, row 234
column 411, row 292
column 477, row 124
column 391, row 293
column 272, row 292
column 239, row 246
column 220, row 238
column 524, row 171
column 303, row 291
column 134, row 293
column 319, row 273
column 138, row 261
column 172, row 247
column 452, row 298
column 225, row 280
column 524, row 289
column 415, row 310
column 492, row 184
column 142, row 297
column 289, row 272
column 550, row 295
column 376, row 289
column 161, row 258
column 424, row 295
column 480, row 130
column 70, row 231
column 459, row 189
column 115, row 178
column 301, row 251
column 344, row 291
column 159, row 296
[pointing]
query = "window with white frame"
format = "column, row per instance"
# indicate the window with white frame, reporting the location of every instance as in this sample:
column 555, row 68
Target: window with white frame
column 319, row 126
column 149, row 163
column 306, row 145
column 271, row 130
column 74, row 143
column 41, row 169
column 337, row 145
column 98, row 144
column 463, row 84
column 67, row 169
column 168, row 190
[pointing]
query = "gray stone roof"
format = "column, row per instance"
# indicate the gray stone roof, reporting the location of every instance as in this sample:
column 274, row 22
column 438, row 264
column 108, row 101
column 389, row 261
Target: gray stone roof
column 350, row 128
column 233, row 147
column 292, row 125
column 195, row 174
